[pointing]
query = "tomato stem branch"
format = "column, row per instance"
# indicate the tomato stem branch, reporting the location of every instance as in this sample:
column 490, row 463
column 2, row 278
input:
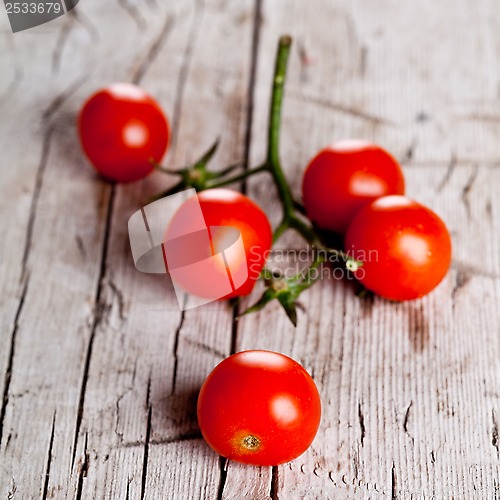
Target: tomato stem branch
column 239, row 177
column 290, row 219
column 273, row 156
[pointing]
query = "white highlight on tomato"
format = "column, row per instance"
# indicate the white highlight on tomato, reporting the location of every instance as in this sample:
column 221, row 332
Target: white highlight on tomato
column 135, row 134
column 415, row 247
column 367, row 184
column 349, row 145
column 393, row 201
column 126, row 91
column 220, row 195
column 284, row 409
column 266, row 359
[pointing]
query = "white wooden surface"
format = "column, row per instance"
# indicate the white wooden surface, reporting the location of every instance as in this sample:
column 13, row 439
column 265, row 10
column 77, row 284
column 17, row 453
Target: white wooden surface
column 100, row 370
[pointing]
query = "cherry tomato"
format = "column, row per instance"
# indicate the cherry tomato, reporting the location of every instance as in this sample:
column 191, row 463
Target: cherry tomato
column 406, row 248
column 121, row 127
column 220, row 263
column 344, row 177
column 259, row 407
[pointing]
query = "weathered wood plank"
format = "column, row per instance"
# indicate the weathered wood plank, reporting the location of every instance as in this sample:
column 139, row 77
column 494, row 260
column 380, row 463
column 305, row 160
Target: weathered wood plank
column 149, row 362
column 100, row 370
column 44, row 382
column 410, row 390
column 43, row 258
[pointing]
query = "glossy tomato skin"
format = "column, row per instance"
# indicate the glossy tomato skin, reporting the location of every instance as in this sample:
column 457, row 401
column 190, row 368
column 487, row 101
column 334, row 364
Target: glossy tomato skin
column 223, row 212
column 260, row 408
column 225, row 207
column 344, row 177
column 406, row 248
column 121, row 127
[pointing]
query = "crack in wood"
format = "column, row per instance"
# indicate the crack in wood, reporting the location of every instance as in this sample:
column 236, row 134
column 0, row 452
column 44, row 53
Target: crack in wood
column 183, row 73
column 15, row 82
column 418, row 327
column 352, row 33
column 489, row 211
column 361, row 423
column 207, row 348
column 363, row 61
column 394, row 483
column 467, row 189
column 81, row 247
column 127, row 493
column 481, row 117
column 317, row 467
column 62, row 97
column 462, row 278
column 134, row 13
column 12, row 491
column 449, row 172
column 146, row 454
column 82, row 469
column 342, row 108
column 406, row 420
column 10, row 362
column 134, row 372
column 191, row 435
column 254, row 54
column 223, row 464
column 494, row 433
column 234, row 328
column 35, row 198
column 175, row 351
column 119, row 297
column 408, row 156
column 273, row 493
column 117, row 409
column 148, row 391
column 18, row 75
column 99, row 310
column 86, row 24
column 49, row 460
column 154, row 50
column 61, row 40
column 355, row 463
column 304, row 59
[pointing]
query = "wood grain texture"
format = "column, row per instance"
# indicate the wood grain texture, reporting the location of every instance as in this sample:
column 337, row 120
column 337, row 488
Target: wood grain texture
column 409, row 390
column 98, row 367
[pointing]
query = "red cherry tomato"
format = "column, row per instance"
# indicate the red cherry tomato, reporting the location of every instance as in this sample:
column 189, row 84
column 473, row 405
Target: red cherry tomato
column 224, row 211
column 344, row 177
column 405, row 247
column 260, row 408
column 121, row 127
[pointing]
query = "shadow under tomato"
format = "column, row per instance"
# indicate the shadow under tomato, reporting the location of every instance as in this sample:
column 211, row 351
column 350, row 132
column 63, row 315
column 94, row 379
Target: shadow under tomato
column 418, row 326
column 175, row 416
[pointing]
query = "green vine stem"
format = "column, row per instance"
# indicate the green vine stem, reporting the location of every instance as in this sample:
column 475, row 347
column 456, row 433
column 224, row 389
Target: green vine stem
column 237, row 178
column 291, row 208
column 273, row 155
